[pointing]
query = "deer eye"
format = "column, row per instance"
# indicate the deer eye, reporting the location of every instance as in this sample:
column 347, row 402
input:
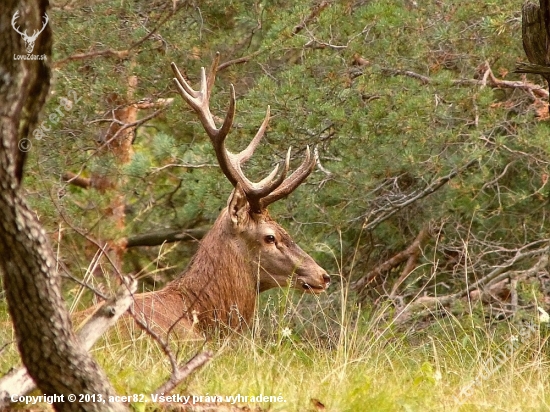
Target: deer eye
column 269, row 239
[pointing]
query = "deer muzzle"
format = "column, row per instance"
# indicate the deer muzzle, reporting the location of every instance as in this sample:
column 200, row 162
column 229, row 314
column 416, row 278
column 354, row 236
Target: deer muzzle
column 315, row 286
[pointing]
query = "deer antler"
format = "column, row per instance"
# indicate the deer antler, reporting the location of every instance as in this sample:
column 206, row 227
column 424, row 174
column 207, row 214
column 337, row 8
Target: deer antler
column 259, row 194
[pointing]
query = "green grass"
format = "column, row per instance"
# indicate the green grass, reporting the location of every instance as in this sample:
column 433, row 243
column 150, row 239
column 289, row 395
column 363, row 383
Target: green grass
column 307, row 348
column 365, row 365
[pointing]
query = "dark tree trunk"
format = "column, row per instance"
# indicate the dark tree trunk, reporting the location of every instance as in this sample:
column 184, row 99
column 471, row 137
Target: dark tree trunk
column 49, row 349
column 535, row 32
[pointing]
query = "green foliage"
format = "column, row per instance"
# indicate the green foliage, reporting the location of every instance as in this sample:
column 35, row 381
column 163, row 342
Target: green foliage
column 370, row 126
column 344, row 83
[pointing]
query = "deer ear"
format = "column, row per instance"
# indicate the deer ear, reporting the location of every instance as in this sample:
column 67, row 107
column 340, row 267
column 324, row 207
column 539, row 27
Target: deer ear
column 237, row 206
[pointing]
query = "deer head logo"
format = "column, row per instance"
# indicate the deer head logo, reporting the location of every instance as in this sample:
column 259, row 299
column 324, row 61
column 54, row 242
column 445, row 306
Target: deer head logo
column 29, row 40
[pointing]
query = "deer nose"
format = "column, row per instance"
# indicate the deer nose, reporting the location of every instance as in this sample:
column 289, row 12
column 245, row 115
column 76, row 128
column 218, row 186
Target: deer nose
column 326, row 279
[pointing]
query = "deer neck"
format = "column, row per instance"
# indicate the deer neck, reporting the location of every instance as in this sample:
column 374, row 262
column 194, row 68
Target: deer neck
column 220, row 284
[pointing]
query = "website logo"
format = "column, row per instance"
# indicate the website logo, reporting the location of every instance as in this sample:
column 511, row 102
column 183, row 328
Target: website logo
column 29, row 40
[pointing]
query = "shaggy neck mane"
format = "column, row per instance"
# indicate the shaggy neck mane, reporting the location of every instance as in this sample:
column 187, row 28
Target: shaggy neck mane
column 220, row 283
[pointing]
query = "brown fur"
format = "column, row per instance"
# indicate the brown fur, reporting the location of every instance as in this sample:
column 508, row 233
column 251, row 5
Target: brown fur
column 245, row 252
column 219, row 288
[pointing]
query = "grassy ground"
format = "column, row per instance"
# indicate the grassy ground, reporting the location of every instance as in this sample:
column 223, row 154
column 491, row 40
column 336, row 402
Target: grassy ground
column 311, row 357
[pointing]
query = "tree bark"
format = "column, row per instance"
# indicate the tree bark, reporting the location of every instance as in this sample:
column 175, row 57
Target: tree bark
column 49, row 349
column 535, row 31
column 17, row 382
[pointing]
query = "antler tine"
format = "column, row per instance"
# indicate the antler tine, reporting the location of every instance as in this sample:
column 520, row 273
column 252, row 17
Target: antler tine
column 230, row 115
column 200, row 102
column 249, row 151
column 255, row 191
column 231, row 163
column 293, row 181
column 37, row 32
column 269, row 184
column 270, row 188
column 212, row 74
column 182, row 83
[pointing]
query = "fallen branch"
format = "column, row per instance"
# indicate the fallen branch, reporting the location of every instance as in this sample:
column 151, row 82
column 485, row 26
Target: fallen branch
column 107, row 315
column 119, row 54
column 165, row 236
column 18, row 382
column 179, row 373
column 411, row 253
column 183, row 372
column 489, row 79
column 396, row 72
column 490, row 293
column 416, row 249
column 425, row 305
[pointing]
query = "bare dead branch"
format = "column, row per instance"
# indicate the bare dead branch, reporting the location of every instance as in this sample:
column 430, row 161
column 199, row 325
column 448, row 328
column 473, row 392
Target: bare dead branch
column 107, row 315
column 179, row 373
column 161, row 342
column 375, row 217
column 125, row 126
column 162, row 102
column 488, row 79
column 411, row 252
column 492, row 81
column 425, row 305
column 16, row 382
column 103, row 247
column 185, row 165
column 166, row 236
column 492, row 293
column 494, row 275
column 183, row 372
column 77, row 180
column 315, row 12
column 119, row 54
column 416, row 249
column 396, row 72
column 240, row 60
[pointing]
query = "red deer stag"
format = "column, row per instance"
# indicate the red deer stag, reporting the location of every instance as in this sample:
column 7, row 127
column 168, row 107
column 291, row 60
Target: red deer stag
column 246, row 252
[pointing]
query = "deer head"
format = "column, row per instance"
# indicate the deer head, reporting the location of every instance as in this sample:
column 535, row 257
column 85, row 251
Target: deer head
column 29, row 40
column 277, row 259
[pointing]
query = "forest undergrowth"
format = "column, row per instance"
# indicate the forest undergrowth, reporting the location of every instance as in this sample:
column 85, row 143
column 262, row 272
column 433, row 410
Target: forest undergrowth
column 335, row 353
